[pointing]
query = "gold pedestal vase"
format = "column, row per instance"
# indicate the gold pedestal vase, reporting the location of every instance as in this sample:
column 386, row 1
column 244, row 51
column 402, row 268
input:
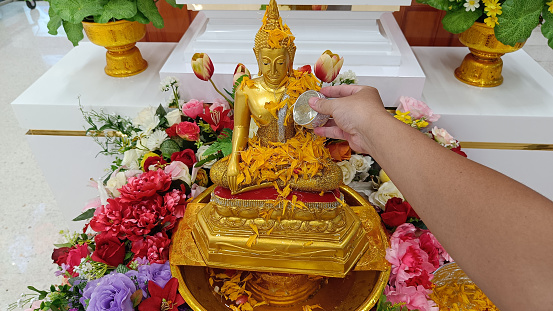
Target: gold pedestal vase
column 123, row 58
column 483, row 66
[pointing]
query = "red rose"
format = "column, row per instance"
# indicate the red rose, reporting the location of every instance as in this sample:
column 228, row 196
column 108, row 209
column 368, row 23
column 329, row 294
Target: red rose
column 186, row 156
column 59, row 255
column 172, row 131
column 458, row 151
column 188, row 130
column 397, row 211
column 155, row 161
column 145, row 185
column 109, row 250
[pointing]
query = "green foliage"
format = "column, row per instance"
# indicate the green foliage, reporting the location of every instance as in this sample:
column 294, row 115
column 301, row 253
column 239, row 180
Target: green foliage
column 117, row 9
column 438, row 4
column 223, row 143
column 547, row 27
column 518, row 20
column 54, row 23
column 149, row 9
column 74, row 32
column 122, row 269
column 168, row 147
column 86, row 215
column 384, row 305
column 460, row 20
column 75, row 11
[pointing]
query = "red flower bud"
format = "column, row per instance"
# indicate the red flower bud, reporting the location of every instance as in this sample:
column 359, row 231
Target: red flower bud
column 202, row 66
column 328, row 66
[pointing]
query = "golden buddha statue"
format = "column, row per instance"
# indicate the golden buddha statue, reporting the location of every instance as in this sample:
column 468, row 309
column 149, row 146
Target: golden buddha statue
column 278, row 207
column 268, row 99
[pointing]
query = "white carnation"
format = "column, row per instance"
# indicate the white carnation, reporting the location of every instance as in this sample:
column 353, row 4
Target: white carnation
column 200, row 156
column 348, row 171
column 386, row 191
column 154, row 140
column 147, row 120
column 361, row 163
column 174, row 116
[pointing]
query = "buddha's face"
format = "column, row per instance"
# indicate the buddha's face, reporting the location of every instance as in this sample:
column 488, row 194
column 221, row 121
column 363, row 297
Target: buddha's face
column 274, row 65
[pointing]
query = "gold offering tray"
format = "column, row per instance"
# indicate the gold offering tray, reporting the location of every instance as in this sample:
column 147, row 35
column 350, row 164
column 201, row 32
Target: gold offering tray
column 359, row 289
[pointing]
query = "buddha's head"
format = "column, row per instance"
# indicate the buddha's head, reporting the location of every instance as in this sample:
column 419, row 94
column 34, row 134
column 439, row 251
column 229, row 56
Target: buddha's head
column 274, row 47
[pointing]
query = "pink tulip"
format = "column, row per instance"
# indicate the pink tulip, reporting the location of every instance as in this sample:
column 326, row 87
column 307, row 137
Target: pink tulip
column 328, row 66
column 202, row 66
column 239, row 71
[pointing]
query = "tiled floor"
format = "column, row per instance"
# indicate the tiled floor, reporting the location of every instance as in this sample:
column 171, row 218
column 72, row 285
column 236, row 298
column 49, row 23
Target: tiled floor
column 30, row 219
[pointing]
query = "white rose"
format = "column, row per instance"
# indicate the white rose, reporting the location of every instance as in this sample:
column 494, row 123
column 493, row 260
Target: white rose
column 115, row 182
column 443, row 137
column 361, row 163
column 200, row 156
column 386, row 191
column 174, row 116
column 348, row 171
column 130, row 159
column 147, row 120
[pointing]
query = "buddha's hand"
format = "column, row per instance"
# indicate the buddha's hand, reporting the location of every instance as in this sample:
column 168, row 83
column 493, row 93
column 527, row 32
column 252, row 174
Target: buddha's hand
column 232, row 173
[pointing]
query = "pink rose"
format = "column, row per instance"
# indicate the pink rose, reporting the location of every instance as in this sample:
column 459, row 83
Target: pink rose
column 417, row 109
column 188, row 130
column 193, row 108
column 443, row 137
column 413, row 297
column 219, row 103
column 178, row 170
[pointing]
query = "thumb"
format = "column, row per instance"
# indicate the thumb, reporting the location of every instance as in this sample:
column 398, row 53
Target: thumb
column 321, row 105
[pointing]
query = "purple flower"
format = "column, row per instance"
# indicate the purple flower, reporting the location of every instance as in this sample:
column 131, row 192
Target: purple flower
column 159, row 273
column 111, row 292
column 141, row 281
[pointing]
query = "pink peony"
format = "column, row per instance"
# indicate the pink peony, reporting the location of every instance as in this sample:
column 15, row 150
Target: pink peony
column 188, row 130
column 158, row 247
column 413, row 297
column 436, row 253
column 176, row 203
column 145, row 185
column 417, row 109
column 142, row 216
column 193, row 108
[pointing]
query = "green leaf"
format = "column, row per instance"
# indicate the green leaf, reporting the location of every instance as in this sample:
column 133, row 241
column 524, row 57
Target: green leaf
column 118, row 9
column 460, row 20
column 128, row 255
column 74, row 11
column 74, row 32
column 122, row 269
column 210, row 157
column 60, row 245
column 136, row 298
column 223, row 143
column 149, row 8
column 174, row 4
column 169, row 147
column 41, row 292
column 86, row 215
column 518, row 20
column 160, row 111
column 438, row 4
column 139, row 17
column 54, row 23
column 547, row 27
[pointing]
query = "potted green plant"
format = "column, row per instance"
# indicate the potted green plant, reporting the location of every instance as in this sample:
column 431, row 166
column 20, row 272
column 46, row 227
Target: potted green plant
column 491, row 28
column 71, row 13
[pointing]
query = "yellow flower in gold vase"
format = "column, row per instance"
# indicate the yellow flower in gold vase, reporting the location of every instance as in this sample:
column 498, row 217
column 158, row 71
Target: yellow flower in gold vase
column 550, row 4
column 491, row 21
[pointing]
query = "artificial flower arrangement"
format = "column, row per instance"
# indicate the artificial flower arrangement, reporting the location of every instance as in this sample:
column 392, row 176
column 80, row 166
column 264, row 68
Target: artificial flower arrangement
column 512, row 20
column 162, row 158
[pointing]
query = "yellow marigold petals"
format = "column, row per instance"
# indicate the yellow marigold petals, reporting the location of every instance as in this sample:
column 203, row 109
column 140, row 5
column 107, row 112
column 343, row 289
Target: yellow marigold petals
column 308, row 243
column 311, row 307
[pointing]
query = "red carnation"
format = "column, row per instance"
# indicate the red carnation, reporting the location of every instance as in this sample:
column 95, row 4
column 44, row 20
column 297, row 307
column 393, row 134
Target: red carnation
column 109, row 250
column 142, row 216
column 158, row 247
column 70, row 257
column 109, row 217
column 458, row 151
column 186, row 156
column 397, row 212
column 145, row 185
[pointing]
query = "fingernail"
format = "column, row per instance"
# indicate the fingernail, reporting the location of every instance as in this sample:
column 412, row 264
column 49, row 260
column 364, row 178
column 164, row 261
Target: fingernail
column 313, row 101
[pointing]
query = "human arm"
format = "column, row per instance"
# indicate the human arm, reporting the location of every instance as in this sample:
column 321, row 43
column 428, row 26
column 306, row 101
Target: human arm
column 498, row 230
column 239, row 137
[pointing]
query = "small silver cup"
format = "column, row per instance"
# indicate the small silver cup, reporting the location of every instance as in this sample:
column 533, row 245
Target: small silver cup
column 304, row 115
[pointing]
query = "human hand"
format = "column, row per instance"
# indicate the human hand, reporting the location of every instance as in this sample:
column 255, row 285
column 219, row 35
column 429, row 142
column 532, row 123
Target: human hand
column 351, row 107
